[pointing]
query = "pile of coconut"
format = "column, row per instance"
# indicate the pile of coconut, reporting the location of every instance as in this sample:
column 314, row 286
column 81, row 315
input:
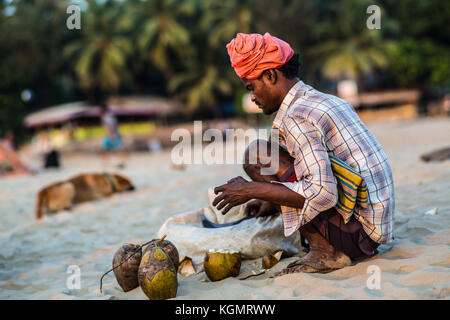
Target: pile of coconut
column 154, row 266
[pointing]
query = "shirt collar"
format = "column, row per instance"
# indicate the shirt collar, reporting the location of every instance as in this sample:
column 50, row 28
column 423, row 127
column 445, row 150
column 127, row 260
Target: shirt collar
column 287, row 101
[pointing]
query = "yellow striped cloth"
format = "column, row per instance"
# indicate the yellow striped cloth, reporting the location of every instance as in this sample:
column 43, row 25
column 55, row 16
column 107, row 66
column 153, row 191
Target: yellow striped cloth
column 351, row 187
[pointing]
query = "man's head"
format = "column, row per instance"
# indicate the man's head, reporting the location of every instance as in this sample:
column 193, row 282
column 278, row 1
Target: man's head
column 266, row 65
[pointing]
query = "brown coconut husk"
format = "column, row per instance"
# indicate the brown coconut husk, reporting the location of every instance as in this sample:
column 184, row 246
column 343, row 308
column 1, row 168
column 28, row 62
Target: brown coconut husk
column 126, row 273
column 268, row 261
column 137, row 250
column 186, row 267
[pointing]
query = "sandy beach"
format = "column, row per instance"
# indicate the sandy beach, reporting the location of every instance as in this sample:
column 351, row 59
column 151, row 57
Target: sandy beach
column 35, row 255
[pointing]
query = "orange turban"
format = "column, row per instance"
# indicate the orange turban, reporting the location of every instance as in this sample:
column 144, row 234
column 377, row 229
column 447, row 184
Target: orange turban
column 251, row 54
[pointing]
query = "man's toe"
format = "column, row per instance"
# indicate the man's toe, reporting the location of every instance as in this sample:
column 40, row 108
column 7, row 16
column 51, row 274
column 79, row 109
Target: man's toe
column 295, row 263
column 297, row 269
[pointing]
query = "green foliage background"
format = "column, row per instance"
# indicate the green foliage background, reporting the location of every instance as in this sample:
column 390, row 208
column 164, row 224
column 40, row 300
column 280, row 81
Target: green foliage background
column 176, row 48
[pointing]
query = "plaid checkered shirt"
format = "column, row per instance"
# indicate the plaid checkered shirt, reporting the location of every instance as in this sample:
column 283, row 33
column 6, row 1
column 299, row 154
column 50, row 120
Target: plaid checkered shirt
column 313, row 125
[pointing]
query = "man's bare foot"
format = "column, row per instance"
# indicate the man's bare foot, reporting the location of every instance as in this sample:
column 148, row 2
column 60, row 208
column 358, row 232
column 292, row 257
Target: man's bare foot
column 318, row 261
column 297, row 269
column 329, row 260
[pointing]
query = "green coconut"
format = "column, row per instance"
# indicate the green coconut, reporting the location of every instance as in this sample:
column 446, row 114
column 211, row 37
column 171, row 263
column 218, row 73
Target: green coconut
column 268, row 261
column 221, row 264
column 126, row 274
column 157, row 275
column 168, row 248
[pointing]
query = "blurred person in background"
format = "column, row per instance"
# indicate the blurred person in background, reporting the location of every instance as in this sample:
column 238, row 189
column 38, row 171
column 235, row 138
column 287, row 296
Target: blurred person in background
column 10, row 164
column 8, row 141
column 112, row 140
column 43, row 147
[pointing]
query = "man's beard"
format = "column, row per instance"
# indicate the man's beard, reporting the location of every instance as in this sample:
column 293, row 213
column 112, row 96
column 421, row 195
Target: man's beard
column 269, row 111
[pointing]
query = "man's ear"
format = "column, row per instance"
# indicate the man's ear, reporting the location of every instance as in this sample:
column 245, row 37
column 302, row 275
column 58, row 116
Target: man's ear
column 271, row 76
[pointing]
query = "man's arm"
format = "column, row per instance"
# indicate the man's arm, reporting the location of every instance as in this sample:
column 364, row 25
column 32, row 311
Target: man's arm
column 239, row 191
column 315, row 192
column 316, row 183
column 277, row 194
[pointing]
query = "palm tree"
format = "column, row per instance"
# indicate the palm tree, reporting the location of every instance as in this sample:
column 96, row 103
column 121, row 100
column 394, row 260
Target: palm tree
column 346, row 47
column 225, row 19
column 199, row 85
column 207, row 75
column 352, row 57
column 164, row 36
column 100, row 54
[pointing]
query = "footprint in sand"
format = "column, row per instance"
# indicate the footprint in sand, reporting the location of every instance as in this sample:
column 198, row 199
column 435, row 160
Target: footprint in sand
column 402, row 269
column 442, row 263
column 397, row 253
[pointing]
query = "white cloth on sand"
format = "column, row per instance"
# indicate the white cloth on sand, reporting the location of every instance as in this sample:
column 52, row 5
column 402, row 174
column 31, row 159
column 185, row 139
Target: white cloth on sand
column 214, row 215
column 254, row 238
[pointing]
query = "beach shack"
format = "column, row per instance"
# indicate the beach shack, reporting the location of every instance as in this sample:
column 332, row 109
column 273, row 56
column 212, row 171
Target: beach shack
column 79, row 123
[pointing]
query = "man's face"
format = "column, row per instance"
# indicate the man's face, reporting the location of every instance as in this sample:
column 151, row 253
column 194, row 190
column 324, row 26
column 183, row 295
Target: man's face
column 263, row 93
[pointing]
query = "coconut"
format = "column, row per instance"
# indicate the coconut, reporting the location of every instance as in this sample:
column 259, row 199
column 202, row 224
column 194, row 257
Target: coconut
column 126, row 273
column 221, row 264
column 168, row 248
column 157, row 275
column 268, row 261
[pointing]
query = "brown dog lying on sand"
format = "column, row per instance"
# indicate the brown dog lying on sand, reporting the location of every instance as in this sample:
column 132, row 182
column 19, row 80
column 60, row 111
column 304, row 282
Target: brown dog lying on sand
column 81, row 188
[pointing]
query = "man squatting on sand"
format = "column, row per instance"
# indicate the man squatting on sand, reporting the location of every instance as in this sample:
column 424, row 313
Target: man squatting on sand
column 324, row 146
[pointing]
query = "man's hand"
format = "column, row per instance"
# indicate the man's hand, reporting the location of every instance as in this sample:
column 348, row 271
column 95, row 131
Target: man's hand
column 233, row 193
column 261, row 208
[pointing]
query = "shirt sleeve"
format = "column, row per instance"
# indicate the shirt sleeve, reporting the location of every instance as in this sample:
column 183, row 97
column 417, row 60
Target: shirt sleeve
column 316, row 182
